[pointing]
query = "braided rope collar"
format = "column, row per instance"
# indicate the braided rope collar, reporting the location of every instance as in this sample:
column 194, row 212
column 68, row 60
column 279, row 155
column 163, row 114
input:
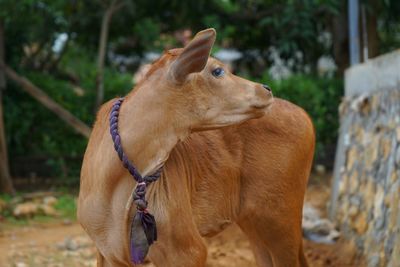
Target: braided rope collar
column 143, row 227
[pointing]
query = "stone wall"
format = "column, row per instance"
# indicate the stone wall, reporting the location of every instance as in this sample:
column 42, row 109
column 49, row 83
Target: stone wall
column 366, row 188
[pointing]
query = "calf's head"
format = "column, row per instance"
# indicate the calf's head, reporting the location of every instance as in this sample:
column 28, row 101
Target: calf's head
column 200, row 91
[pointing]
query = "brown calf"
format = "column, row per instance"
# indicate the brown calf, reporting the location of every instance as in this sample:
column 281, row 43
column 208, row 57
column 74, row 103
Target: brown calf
column 252, row 173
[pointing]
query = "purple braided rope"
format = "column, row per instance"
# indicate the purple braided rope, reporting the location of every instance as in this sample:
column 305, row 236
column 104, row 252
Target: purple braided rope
column 117, row 141
column 118, row 147
column 138, row 246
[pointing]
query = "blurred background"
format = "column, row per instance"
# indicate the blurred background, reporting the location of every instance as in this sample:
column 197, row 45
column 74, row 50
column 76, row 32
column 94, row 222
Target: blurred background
column 60, row 59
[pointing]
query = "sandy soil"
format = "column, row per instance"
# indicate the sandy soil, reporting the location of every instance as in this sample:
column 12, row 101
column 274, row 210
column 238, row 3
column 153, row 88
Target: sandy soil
column 60, row 244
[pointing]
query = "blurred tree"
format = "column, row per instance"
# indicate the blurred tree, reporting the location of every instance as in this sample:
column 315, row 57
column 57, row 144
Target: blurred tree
column 340, row 38
column 309, row 28
column 387, row 23
column 289, row 26
column 110, row 7
column 6, row 185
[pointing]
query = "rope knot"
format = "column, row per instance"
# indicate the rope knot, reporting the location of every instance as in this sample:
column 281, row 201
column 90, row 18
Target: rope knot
column 139, row 196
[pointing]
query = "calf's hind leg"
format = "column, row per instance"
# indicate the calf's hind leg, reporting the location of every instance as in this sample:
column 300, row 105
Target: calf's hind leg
column 270, row 215
column 277, row 249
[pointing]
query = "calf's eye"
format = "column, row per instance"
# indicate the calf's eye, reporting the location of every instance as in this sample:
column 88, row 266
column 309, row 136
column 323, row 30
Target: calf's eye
column 218, row 72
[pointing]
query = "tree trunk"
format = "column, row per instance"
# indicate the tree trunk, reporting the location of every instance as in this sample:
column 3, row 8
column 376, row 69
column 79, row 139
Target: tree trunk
column 101, row 57
column 49, row 103
column 105, row 25
column 6, row 185
column 341, row 39
column 372, row 30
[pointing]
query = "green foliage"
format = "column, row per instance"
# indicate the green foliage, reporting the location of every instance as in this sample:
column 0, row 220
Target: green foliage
column 287, row 25
column 33, row 130
column 29, row 21
column 320, row 97
column 148, row 31
column 66, row 206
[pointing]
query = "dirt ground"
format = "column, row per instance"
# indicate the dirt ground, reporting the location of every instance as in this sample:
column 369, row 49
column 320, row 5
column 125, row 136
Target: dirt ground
column 65, row 244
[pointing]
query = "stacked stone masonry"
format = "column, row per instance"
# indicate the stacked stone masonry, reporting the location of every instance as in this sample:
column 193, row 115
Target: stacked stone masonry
column 367, row 199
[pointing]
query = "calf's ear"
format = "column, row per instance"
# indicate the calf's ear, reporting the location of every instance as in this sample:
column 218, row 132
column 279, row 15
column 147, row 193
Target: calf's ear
column 194, row 56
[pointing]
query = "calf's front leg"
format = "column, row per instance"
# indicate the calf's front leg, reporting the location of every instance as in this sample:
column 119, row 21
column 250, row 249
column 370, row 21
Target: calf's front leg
column 187, row 251
column 179, row 242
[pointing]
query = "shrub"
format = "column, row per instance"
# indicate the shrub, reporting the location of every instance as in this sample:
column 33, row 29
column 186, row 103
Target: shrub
column 34, row 131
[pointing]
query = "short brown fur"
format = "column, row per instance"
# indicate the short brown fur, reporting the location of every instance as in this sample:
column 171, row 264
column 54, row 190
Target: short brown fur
column 252, row 173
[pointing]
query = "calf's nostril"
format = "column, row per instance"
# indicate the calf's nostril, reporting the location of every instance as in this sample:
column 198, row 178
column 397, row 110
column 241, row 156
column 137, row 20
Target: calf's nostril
column 267, row 87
